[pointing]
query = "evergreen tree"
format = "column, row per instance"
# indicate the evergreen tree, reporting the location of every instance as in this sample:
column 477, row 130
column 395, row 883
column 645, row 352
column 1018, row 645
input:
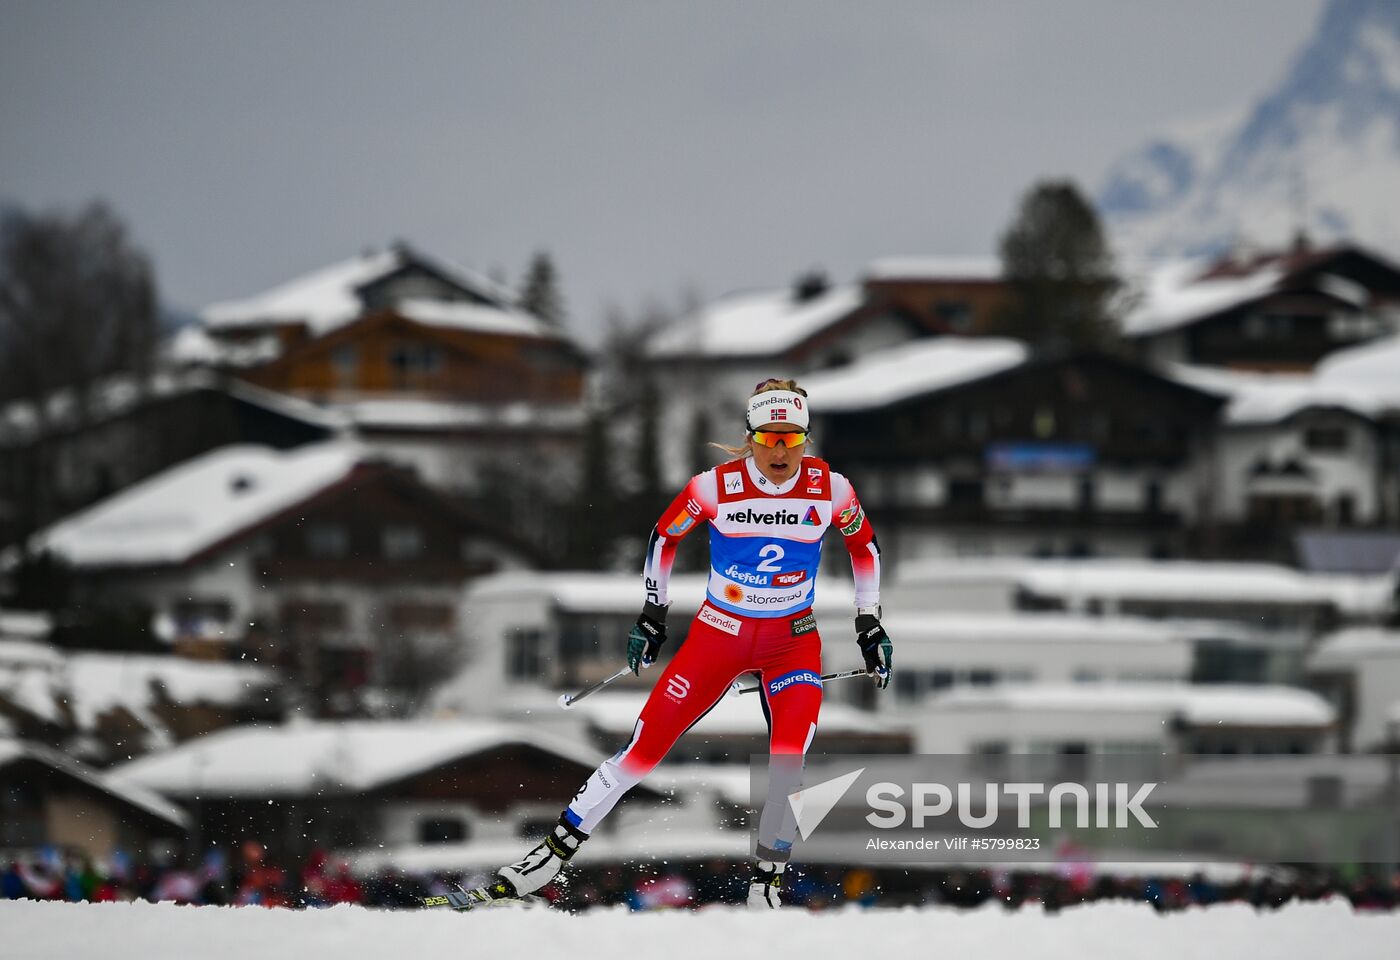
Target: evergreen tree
column 592, row 527
column 539, row 291
column 1059, row 273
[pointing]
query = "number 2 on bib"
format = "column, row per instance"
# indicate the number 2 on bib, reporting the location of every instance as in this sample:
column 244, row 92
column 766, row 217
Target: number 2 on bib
column 773, row 553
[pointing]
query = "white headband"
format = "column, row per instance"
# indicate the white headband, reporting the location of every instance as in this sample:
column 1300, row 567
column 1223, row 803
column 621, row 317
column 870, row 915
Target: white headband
column 777, row 406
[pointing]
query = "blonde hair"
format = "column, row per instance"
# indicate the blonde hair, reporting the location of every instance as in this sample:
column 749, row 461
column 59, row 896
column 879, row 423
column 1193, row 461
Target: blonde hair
column 772, row 383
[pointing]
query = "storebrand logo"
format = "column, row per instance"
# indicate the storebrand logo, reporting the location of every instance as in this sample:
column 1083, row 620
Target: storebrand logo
column 677, row 687
column 752, row 516
column 771, row 599
column 733, row 483
column 718, row 620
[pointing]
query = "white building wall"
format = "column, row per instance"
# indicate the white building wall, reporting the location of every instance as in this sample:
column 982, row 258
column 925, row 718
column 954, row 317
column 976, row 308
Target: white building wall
column 1350, row 471
column 941, row 729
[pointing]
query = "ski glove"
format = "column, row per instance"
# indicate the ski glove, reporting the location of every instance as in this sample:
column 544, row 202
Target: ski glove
column 876, row 647
column 646, row 638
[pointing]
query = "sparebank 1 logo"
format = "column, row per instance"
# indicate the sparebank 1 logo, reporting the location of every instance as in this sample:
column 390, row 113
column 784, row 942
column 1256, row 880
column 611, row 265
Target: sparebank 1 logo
column 811, row 805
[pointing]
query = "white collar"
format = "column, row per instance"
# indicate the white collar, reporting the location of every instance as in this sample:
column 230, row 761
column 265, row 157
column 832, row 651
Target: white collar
column 768, row 486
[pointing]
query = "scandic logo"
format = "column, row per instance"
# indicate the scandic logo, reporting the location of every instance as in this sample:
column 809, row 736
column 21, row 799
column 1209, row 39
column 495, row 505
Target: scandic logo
column 1110, row 803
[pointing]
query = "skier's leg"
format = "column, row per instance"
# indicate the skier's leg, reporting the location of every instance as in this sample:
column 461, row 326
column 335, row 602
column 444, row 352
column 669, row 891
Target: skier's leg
column 696, row 678
column 792, row 693
column 792, row 696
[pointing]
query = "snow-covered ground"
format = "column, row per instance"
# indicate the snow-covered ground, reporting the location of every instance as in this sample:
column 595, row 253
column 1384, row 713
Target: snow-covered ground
column 144, row 931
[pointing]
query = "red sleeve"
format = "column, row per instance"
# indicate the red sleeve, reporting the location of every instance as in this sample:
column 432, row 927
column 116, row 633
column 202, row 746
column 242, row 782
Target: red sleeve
column 848, row 516
column 695, row 504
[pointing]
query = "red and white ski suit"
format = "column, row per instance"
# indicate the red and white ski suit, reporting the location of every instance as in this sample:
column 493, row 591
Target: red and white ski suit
column 765, row 548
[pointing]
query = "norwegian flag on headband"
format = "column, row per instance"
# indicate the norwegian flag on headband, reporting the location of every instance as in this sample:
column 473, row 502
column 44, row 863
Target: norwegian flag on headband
column 778, row 414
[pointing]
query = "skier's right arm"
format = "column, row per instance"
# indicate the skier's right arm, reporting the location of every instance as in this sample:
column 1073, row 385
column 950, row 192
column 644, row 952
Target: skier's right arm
column 698, row 501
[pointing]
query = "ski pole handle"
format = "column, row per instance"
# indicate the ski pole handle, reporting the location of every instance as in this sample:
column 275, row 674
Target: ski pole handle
column 567, row 700
column 735, row 690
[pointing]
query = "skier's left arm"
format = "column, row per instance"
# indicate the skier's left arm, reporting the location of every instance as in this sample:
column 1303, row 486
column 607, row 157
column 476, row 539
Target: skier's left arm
column 848, row 516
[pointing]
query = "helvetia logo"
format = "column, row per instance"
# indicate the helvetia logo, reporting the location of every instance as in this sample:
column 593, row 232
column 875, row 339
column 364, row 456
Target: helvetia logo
column 750, row 515
column 812, row 519
column 811, row 805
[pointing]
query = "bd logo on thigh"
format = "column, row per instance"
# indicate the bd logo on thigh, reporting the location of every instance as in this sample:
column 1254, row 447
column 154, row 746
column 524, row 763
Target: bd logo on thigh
column 677, row 687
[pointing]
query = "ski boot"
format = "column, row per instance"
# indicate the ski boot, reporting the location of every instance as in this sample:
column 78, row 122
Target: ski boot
column 540, row 865
column 765, row 886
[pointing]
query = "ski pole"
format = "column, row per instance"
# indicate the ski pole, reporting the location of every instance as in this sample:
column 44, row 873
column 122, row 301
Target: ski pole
column 735, row 690
column 567, row 700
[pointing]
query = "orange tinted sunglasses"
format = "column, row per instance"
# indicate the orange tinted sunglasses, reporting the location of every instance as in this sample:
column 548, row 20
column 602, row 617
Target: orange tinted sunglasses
column 770, row 439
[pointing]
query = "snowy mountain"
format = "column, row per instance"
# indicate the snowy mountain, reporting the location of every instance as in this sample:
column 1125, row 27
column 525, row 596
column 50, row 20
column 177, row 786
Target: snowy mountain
column 1320, row 150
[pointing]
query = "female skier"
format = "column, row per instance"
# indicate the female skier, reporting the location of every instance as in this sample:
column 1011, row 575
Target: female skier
column 767, row 512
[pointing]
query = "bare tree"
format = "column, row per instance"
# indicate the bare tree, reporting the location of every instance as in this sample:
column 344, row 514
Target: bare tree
column 77, row 303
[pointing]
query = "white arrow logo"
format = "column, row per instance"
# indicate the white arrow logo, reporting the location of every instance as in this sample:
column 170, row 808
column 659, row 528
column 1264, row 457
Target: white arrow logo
column 810, row 806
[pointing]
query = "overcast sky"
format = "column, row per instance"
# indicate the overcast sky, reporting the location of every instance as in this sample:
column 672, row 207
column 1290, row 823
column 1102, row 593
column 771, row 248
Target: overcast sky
column 648, row 146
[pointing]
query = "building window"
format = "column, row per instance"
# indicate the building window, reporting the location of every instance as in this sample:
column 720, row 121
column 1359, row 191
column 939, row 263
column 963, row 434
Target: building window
column 957, row 314
column 424, row 617
column 402, row 542
column 1346, row 510
column 202, row 617
column 327, row 541
column 1325, row 439
column 525, row 653
column 1152, row 496
column 965, row 492
column 1087, row 493
column 313, row 617
column 1044, row 423
column 442, row 830
column 345, row 365
column 414, row 363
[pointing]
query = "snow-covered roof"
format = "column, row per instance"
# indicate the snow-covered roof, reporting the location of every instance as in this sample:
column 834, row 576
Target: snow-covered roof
column 1165, row 580
column 884, row 377
column 132, row 794
column 1264, row 398
column 179, row 512
column 1373, row 366
column 24, row 624
column 948, row 269
column 623, row 593
column 121, row 393
column 80, row 688
column 733, row 715
column 1030, row 628
column 327, row 757
column 1174, row 295
column 1198, row 704
column 754, row 325
column 329, row 297
column 648, row 844
column 98, row 682
column 1352, row 645
column 394, row 413
column 476, row 318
